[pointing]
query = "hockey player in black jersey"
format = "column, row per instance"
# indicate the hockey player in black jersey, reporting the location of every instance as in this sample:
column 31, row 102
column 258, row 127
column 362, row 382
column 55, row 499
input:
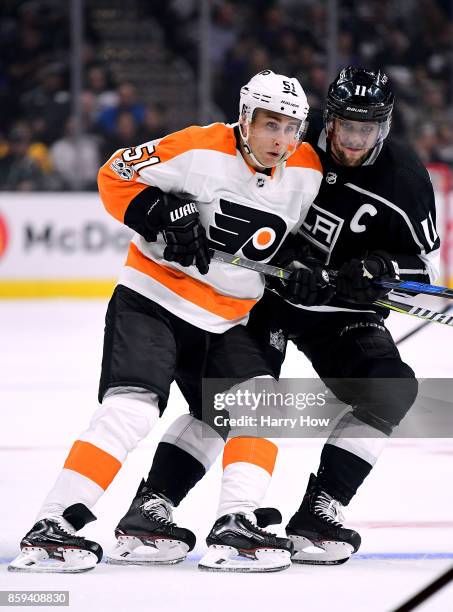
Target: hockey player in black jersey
column 373, row 217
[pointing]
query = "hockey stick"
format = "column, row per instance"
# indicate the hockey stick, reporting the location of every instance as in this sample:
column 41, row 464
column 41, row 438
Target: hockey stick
column 235, row 260
column 414, row 287
column 268, row 270
column 388, row 283
column 416, row 311
column 427, row 592
column 421, row 326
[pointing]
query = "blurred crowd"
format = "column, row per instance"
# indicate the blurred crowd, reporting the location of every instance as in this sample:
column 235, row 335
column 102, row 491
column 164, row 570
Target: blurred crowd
column 412, row 40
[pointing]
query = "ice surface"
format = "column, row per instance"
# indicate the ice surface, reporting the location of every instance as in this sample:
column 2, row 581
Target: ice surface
column 49, row 368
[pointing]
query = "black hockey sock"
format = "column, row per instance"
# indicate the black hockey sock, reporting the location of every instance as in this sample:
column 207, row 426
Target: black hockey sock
column 341, row 473
column 174, row 472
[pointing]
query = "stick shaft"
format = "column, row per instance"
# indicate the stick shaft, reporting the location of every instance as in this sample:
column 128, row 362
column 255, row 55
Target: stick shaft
column 269, row 270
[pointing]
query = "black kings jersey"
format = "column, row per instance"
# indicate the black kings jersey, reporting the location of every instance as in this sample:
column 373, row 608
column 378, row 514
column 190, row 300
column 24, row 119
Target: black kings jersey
column 385, row 204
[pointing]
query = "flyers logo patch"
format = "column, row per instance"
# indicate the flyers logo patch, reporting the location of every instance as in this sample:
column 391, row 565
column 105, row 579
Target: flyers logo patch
column 256, row 232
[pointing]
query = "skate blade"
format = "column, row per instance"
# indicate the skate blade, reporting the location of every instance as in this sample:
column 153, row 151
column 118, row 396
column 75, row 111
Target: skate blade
column 130, row 550
column 220, row 559
column 326, row 552
column 36, row 560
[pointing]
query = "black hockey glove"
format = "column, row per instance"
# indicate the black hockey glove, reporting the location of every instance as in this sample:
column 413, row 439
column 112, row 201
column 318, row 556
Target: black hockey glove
column 307, row 287
column 179, row 221
column 355, row 277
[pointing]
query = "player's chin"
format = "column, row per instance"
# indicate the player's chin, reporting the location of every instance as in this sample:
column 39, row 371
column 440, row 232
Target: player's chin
column 272, row 159
column 354, row 156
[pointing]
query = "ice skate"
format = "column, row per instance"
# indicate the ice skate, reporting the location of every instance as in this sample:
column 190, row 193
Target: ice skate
column 237, row 544
column 317, row 532
column 146, row 534
column 52, row 546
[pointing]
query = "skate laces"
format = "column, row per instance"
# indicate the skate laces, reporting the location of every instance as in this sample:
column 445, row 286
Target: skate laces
column 329, row 508
column 63, row 525
column 66, row 527
column 158, row 509
column 250, row 521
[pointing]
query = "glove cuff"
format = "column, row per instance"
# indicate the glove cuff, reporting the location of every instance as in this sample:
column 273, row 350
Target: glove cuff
column 380, row 263
column 143, row 213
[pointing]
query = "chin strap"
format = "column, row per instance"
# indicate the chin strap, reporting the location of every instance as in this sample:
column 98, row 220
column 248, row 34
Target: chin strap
column 248, row 150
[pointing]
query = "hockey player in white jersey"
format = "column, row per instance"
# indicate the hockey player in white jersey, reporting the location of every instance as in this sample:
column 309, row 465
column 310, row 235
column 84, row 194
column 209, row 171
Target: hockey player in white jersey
column 376, row 211
column 174, row 315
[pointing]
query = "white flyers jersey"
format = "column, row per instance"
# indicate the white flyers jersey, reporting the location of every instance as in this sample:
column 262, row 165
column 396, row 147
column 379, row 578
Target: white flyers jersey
column 244, row 212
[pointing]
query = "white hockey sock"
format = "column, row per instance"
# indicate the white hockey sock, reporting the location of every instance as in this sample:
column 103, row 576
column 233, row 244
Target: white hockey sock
column 196, row 438
column 124, row 418
column 248, row 464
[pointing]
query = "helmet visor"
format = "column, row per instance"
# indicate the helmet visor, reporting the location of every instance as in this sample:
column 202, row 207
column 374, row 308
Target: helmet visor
column 356, row 135
column 271, row 129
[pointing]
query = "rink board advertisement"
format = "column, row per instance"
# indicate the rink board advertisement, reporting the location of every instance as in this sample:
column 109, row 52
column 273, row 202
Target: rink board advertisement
column 54, row 244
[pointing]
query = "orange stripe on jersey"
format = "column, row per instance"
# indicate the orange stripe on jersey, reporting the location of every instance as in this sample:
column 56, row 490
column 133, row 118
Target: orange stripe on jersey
column 92, row 462
column 189, row 288
column 305, row 157
column 259, row 451
column 117, row 193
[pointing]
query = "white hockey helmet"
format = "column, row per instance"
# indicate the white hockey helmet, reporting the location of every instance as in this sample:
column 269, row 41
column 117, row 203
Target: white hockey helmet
column 273, row 92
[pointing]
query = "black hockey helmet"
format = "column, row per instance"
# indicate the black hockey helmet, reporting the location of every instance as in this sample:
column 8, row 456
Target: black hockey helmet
column 359, row 94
